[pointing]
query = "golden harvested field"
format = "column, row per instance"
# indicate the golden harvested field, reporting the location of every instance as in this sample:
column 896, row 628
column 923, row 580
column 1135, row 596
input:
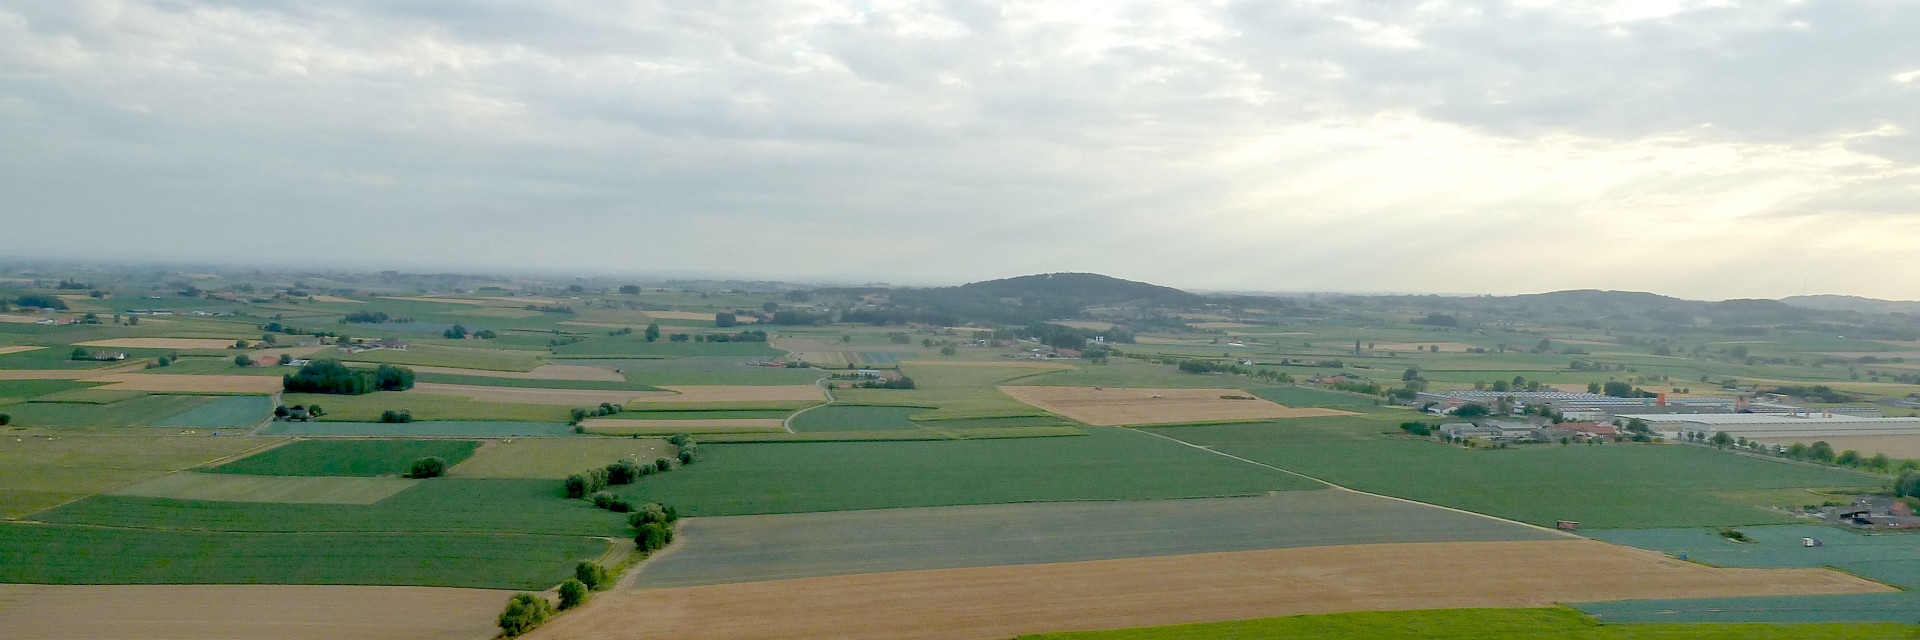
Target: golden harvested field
column 670, row 427
column 161, row 343
column 1897, row 447
column 19, row 319
column 1109, row 406
column 336, row 299
column 742, row 393
column 1001, row 602
column 533, row 395
column 187, row 383
column 1221, row 325
column 1014, row 364
column 248, row 612
column 542, row 372
column 1090, row 325
column 7, row 350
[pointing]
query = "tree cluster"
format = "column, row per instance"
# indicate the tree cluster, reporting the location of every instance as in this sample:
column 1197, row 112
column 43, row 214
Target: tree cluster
column 331, row 376
column 524, row 612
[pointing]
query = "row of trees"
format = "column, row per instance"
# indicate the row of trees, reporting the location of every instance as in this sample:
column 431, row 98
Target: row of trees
column 332, row 376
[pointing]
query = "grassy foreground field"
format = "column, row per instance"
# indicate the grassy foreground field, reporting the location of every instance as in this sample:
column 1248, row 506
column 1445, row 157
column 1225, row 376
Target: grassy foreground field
column 91, row 555
column 1611, row 486
column 1106, row 464
column 38, row 472
column 348, row 457
column 1495, row 624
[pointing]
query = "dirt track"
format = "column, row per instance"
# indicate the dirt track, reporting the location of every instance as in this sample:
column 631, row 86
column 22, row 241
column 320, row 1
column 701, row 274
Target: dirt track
column 1002, row 602
column 247, row 612
column 1110, row 406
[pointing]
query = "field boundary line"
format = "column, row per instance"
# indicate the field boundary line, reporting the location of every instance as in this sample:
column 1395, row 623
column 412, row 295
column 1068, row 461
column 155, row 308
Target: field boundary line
column 279, row 440
column 1353, row 490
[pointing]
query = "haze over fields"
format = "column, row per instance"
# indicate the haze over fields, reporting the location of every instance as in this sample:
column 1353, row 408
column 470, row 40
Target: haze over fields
column 1703, row 150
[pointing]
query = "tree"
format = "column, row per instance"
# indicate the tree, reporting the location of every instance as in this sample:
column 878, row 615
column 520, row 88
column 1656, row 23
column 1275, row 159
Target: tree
column 1472, row 410
column 1821, row 451
column 1721, row 439
column 524, row 612
column 630, row 289
column 1593, row 387
column 242, row 360
column 1501, row 386
column 458, row 332
column 40, row 301
column 724, row 319
column 428, row 467
column 948, row 350
column 5, row 419
column 661, row 465
column 1617, row 389
column 1412, row 373
column 280, row 411
column 1908, row 484
column 286, row 359
column 79, row 353
column 623, row 472
column 592, row 574
column 396, row 417
column 314, row 410
column 653, row 537
column 573, row 593
column 653, row 331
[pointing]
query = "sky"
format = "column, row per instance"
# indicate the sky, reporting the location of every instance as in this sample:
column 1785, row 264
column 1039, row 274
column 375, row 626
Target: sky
column 1702, row 149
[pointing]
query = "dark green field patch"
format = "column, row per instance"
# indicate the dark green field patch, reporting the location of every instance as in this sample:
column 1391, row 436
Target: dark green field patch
column 1305, row 397
column 855, row 418
column 230, row 412
column 15, row 390
column 1610, row 486
column 347, row 457
column 135, row 412
column 464, row 505
column 93, row 555
column 635, row 345
column 1106, row 464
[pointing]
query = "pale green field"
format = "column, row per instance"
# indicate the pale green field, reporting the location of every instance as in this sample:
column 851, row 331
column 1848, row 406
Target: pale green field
column 228, row 487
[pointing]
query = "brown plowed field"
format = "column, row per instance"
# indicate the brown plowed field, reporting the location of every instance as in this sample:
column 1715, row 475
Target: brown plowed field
column 247, row 612
column 1109, row 406
column 187, row 383
column 1002, row 602
column 535, row 395
column 19, row 349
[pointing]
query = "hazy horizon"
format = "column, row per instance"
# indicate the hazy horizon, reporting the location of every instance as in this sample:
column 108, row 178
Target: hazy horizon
column 1692, row 149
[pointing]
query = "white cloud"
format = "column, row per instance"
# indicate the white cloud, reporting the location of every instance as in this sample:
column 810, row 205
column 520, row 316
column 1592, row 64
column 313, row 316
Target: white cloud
column 1677, row 146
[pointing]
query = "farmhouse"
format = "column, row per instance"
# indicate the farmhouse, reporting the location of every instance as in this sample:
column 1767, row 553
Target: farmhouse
column 1581, row 431
column 1499, row 430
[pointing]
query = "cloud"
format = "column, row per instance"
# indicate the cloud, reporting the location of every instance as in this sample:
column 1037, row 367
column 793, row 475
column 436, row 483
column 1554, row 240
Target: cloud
column 1405, row 146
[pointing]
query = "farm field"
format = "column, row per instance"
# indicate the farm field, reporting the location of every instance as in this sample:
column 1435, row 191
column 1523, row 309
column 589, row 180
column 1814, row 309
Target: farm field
column 160, row 343
column 134, row 411
column 1896, row 447
column 524, row 395
column 720, row 550
column 347, row 457
column 556, row 457
column 1105, row 464
column 1618, row 485
column 423, row 428
column 260, row 384
column 667, row 427
column 1310, row 397
column 952, row 392
column 634, row 345
column 227, row 487
column 38, row 472
column 449, row 505
column 999, row 602
column 247, row 612
column 443, row 356
column 18, row 349
column 20, row 390
column 106, row 555
column 836, row 417
column 1109, row 406
column 230, row 412
column 542, row 372
column 1490, row 624
column 425, row 406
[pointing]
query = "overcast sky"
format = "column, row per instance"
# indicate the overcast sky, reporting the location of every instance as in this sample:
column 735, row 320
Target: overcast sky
column 1701, row 149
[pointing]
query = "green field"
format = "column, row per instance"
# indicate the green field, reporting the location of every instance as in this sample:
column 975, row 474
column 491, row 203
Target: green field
column 1610, row 486
column 230, row 412
column 347, row 457
column 230, row 487
column 38, row 472
column 1120, row 372
column 135, row 412
column 636, row 345
column 1106, row 464
column 438, row 356
column 1309, row 397
column 557, row 457
column 748, row 548
column 1493, row 624
column 19, row 390
column 836, row 417
column 464, row 505
column 424, row 406
column 951, row 392
column 91, row 555
column 423, row 428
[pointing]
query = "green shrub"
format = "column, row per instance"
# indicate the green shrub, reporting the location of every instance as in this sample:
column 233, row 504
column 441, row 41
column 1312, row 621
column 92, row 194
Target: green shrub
column 5, row 419
column 662, row 466
column 593, row 575
column 396, row 417
column 651, row 513
column 623, row 472
column 653, row 537
column 523, row 613
column 428, row 467
column 680, row 440
column 573, row 593
column 688, row 455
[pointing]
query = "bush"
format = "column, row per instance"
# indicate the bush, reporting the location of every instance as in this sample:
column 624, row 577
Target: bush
column 1416, row 428
column 576, row 486
column 40, row 300
column 428, row 467
column 623, row 472
column 586, row 483
column 242, row 361
column 653, row 537
column 523, row 613
column 573, row 593
column 396, row 417
column 651, row 513
column 593, row 575
column 680, row 440
column 688, row 456
column 662, row 466
column 5, row 419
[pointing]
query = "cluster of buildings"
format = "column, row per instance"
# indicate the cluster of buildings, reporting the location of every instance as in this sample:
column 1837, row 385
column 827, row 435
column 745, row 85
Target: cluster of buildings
column 1673, row 418
column 1516, row 430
